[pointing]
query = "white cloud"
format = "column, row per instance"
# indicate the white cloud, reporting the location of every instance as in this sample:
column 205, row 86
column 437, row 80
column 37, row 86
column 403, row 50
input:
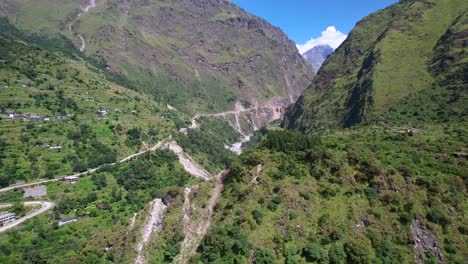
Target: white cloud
column 331, row 36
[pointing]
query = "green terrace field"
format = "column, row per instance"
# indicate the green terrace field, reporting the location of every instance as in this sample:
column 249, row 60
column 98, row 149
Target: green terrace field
column 60, row 115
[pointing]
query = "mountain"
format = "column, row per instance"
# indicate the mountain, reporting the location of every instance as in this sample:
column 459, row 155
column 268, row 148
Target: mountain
column 197, row 55
column 405, row 63
column 317, row 55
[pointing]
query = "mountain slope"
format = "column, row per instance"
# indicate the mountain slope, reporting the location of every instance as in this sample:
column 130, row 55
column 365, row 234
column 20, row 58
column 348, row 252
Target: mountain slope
column 216, row 52
column 317, row 55
column 390, row 56
column 360, row 196
column 60, row 115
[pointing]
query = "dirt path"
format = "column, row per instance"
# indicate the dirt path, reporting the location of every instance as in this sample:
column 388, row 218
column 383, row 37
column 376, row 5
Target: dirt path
column 238, row 109
column 44, row 207
column 58, row 178
column 189, row 165
column 153, row 225
column 196, row 229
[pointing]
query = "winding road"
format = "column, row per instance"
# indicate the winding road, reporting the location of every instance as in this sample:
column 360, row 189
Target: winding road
column 159, row 145
column 44, row 207
column 238, row 109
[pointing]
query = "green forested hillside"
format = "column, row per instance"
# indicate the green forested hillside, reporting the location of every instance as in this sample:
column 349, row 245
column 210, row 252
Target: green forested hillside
column 102, row 204
column 404, row 58
column 61, row 115
column 349, row 197
column 373, row 168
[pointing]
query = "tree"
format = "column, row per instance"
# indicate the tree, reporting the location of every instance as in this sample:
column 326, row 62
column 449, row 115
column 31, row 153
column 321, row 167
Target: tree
column 358, row 251
column 258, row 216
column 337, row 254
column 133, row 137
column 18, row 208
column 264, row 256
column 313, row 252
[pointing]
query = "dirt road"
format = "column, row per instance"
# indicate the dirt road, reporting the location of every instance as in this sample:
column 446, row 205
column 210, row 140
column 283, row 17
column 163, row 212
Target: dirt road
column 44, row 207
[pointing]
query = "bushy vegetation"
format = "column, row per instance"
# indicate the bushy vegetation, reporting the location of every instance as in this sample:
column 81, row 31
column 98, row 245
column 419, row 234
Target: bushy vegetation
column 146, row 177
column 207, row 144
column 344, row 197
column 103, row 204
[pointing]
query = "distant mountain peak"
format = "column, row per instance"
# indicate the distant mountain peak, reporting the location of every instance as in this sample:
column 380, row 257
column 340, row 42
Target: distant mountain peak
column 317, row 55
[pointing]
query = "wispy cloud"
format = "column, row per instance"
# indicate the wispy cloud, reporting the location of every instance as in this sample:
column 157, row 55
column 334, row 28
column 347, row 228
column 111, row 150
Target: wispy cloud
column 331, row 36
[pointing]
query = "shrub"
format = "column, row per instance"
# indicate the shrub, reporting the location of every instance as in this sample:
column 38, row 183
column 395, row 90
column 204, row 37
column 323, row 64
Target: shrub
column 436, row 215
column 305, row 195
column 313, row 252
column 337, row 254
column 405, row 217
column 358, row 252
column 264, row 256
column 371, row 193
column 258, row 216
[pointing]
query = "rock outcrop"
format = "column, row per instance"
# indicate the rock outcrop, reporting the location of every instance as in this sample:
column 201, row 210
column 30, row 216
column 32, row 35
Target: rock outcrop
column 425, row 242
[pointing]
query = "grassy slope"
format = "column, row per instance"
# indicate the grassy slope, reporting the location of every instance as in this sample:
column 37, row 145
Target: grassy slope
column 402, row 69
column 386, row 59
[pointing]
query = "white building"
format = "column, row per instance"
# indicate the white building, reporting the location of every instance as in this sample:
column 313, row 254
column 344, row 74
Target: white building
column 66, row 221
column 6, row 217
column 72, row 179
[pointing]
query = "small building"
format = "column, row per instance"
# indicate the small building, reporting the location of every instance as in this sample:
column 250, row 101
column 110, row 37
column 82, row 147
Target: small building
column 55, row 147
column 72, row 179
column 12, row 115
column 44, row 145
column 102, row 112
column 7, row 217
column 66, row 221
column 184, row 130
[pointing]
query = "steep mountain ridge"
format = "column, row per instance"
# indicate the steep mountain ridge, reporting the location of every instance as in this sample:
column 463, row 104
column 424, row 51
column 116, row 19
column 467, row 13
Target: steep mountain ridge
column 317, row 55
column 385, row 60
column 216, row 49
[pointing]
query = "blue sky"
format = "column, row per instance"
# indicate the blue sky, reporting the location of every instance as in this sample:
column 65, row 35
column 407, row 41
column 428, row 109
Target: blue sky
column 303, row 20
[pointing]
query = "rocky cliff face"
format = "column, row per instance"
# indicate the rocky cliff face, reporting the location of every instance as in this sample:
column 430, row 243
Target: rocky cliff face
column 317, row 55
column 185, row 40
column 392, row 56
